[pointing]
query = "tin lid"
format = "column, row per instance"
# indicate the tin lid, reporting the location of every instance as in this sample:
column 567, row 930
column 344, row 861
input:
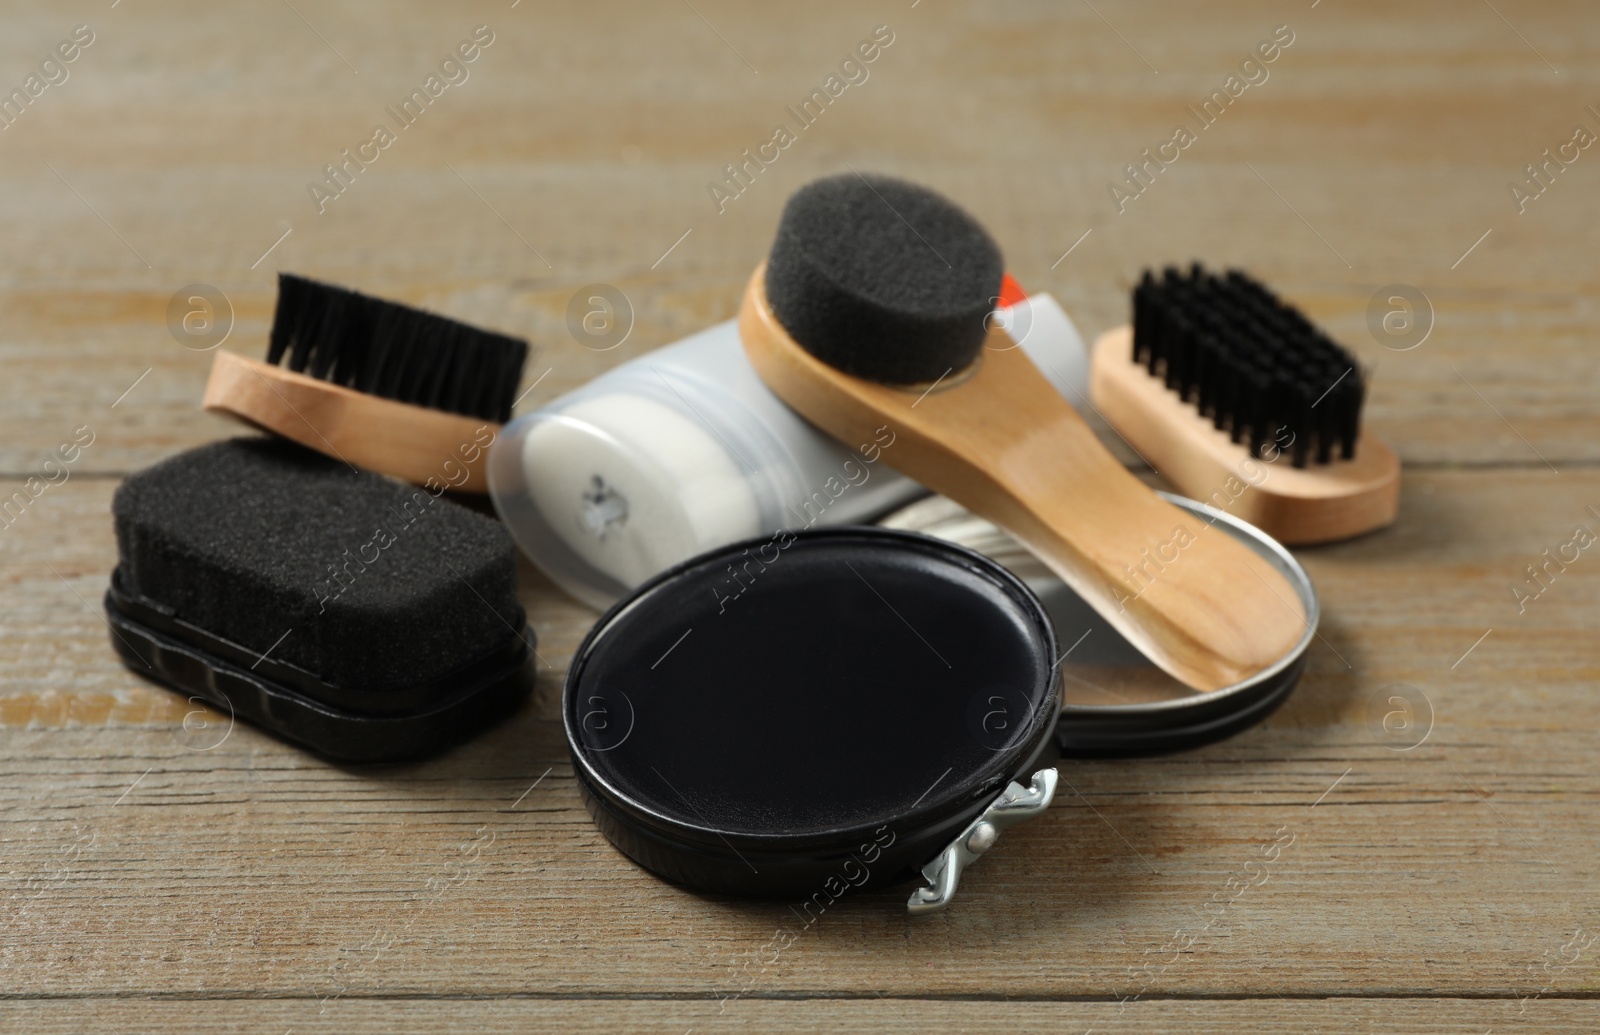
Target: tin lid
column 807, row 712
column 1115, row 701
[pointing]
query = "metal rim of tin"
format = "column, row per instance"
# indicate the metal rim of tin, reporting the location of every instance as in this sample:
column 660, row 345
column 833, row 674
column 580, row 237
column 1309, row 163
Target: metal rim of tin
column 1159, row 726
column 692, row 853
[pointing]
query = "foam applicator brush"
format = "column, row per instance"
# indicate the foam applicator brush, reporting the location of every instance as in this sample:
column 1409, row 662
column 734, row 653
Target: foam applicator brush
column 872, row 309
column 1241, row 402
column 359, row 617
column 376, row 384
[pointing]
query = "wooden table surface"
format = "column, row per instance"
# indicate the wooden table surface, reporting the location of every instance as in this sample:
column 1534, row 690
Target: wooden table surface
column 153, row 879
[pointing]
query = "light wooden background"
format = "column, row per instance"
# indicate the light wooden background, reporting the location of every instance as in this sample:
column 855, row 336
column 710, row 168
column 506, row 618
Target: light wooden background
column 151, row 880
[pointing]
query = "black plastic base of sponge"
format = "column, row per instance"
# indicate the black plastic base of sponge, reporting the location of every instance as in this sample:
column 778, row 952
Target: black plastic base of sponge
column 412, row 722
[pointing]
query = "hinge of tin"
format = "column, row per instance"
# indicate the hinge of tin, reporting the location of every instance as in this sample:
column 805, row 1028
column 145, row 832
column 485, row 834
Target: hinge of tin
column 1015, row 804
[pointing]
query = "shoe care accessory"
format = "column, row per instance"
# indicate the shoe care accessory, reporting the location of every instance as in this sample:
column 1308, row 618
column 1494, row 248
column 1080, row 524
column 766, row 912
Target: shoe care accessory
column 358, row 617
column 1114, row 702
column 809, row 713
column 375, row 384
column 871, row 312
column 684, row 450
column 1240, row 401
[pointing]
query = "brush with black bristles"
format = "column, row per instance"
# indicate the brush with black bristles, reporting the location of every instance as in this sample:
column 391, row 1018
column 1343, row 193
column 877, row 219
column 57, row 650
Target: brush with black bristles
column 376, row 384
column 1249, row 362
column 1217, row 370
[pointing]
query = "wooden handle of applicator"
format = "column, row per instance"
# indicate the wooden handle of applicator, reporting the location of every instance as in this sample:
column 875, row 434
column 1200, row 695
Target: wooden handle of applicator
column 1002, row 442
column 413, row 443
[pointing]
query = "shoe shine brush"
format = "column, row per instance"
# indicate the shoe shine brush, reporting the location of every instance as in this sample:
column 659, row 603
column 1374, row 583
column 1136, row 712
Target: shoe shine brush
column 1241, row 402
column 872, row 308
column 376, row 384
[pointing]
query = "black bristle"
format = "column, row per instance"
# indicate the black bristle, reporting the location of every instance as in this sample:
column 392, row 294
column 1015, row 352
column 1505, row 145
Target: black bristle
column 394, row 351
column 1253, row 365
column 1142, row 317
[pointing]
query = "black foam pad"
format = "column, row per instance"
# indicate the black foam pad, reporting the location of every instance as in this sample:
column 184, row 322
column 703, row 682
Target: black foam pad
column 883, row 279
column 361, row 580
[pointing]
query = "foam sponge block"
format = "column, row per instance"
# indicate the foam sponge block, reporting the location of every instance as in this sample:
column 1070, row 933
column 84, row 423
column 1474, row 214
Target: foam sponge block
column 365, row 582
column 883, row 279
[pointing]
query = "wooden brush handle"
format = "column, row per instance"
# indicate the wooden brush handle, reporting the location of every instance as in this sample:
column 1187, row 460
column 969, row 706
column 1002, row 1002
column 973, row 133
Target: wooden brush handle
column 1001, row 441
column 409, row 442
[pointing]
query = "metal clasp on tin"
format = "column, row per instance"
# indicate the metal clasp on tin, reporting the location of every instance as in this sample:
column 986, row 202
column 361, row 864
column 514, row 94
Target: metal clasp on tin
column 1015, row 804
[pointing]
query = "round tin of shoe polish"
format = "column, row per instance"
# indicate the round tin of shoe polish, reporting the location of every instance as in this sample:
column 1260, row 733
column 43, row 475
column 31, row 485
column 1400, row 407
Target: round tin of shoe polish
column 809, row 713
column 1115, row 702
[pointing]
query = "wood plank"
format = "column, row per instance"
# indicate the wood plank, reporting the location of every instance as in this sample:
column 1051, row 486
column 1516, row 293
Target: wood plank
column 350, row 1016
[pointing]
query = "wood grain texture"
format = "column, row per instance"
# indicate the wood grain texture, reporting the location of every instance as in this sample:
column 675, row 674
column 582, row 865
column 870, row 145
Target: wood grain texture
column 874, row 1013
column 158, row 875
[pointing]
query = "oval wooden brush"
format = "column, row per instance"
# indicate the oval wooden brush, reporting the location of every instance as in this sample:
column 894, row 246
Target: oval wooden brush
column 871, row 310
column 376, row 384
